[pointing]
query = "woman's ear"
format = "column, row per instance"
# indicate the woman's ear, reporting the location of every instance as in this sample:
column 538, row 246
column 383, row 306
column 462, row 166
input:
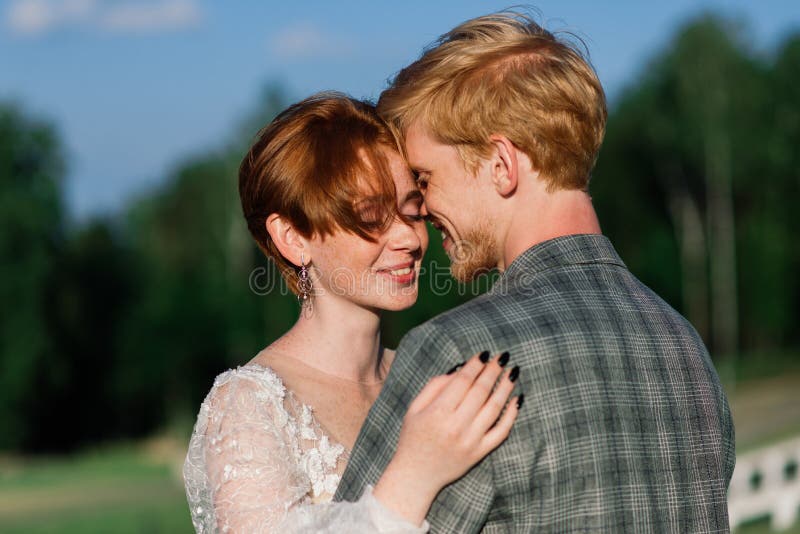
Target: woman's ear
column 505, row 167
column 290, row 244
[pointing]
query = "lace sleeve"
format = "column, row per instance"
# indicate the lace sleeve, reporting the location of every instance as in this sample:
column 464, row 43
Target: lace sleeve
column 366, row 516
column 241, row 473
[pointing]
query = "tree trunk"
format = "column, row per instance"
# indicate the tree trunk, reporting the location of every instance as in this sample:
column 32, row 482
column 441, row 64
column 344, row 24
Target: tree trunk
column 690, row 234
column 722, row 241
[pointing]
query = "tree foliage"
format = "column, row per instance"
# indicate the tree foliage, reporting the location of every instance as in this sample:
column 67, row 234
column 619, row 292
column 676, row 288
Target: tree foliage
column 31, row 232
column 693, row 187
column 123, row 322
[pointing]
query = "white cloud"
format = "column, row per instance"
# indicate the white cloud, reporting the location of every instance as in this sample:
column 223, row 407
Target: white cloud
column 30, row 17
column 307, row 40
column 151, row 17
column 35, row 17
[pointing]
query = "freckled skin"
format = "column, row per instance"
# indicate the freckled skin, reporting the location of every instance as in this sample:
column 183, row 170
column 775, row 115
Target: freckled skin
column 347, row 266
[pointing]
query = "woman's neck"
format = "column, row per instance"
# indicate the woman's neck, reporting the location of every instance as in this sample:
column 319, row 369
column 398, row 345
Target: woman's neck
column 338, row 338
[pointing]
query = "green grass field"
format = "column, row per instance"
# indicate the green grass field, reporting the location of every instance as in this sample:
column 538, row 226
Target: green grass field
column 137, row 488
column 761, row 526
column 123, row 489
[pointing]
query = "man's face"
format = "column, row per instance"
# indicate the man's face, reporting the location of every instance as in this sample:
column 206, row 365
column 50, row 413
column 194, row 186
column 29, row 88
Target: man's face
column 455, row 203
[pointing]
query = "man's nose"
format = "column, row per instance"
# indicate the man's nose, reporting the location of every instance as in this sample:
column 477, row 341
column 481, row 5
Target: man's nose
column 423, row 210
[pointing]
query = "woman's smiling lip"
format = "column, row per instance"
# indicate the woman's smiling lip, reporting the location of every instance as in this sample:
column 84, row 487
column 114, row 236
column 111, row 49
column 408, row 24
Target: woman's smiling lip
column 402, row 273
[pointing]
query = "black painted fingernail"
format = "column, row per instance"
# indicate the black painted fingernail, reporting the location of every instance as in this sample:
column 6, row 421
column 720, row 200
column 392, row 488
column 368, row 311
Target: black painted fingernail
column 520, row 400
column 502, row 360
column 484, row 356
column 455, row 368
column 514, row 374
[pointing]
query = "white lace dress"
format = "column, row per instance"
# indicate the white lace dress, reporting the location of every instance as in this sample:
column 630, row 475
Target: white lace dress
column 258, row 461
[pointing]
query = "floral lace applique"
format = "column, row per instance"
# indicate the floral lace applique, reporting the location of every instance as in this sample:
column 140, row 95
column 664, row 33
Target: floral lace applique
column 258, row 462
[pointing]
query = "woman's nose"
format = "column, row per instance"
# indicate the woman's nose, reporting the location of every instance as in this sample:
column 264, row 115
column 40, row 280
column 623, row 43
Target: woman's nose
column 404, row 236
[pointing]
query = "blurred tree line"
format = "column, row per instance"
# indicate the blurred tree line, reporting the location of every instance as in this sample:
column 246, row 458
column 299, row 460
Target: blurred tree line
column 698, row 180
column 116, row 328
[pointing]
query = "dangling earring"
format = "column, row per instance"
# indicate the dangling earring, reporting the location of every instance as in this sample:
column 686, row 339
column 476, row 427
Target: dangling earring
column 304, row 287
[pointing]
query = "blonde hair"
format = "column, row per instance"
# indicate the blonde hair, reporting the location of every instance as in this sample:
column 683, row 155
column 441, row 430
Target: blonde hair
column 504, row 74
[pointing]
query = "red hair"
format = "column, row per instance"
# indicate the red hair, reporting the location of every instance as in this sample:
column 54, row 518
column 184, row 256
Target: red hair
column 321, row 165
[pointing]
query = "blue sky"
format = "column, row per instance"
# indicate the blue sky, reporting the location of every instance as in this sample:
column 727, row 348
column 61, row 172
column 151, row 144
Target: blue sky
column 136, row 86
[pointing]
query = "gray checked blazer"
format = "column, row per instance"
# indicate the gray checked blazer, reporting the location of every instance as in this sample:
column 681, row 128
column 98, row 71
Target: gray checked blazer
column 625, row 427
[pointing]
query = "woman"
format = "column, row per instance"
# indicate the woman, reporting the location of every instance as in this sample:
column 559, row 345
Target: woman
column 328, row 197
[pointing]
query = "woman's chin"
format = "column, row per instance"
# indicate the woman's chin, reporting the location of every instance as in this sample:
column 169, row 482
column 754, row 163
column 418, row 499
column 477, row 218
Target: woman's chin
column 399, row 304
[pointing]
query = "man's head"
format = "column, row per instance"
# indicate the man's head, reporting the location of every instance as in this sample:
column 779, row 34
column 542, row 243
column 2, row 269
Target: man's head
column 497, row 90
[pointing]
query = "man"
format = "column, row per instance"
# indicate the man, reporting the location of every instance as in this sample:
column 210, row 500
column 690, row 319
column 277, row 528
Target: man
column 625, row 426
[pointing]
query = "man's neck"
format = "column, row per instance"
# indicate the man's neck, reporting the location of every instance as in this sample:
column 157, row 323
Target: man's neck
column 555, row 215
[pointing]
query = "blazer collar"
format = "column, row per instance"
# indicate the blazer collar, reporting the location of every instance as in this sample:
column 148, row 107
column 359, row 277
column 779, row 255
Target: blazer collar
column 561, row 251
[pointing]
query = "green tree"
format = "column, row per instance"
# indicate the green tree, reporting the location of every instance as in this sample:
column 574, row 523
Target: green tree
column 196, row 313
column 31, row 232
column 767, row 197
column 687, row 139
column 94, row 284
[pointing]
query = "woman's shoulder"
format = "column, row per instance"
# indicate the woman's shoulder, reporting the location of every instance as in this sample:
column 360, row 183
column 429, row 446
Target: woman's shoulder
column 251, row 374
column 251, row 387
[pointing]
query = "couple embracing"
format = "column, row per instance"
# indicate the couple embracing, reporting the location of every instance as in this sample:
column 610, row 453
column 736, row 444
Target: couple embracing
column 568, row 398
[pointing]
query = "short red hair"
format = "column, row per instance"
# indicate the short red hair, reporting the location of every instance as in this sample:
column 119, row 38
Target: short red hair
column 321, row 165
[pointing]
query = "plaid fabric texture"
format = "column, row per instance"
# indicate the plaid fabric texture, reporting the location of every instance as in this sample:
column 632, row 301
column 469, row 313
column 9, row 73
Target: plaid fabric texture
column 625, row 426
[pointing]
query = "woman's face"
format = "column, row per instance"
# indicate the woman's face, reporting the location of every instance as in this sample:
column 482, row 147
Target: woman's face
column 380, row 275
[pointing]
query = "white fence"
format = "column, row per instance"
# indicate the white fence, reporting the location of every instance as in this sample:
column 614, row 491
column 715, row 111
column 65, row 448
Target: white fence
column 766, row 482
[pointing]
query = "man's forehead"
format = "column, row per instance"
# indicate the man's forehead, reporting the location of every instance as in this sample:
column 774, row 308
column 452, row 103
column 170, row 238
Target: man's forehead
column 417, row 130
column 417, row 139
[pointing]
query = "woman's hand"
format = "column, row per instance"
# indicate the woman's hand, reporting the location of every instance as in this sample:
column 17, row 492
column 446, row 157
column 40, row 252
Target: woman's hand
column 452, row 424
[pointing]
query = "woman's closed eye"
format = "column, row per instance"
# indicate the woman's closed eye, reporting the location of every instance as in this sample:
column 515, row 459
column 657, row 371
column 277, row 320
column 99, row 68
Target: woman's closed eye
column 411, row 208
column 413, row 217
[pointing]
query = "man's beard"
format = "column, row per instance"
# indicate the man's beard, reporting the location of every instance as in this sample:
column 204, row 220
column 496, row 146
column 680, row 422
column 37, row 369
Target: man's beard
column 474, row 255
